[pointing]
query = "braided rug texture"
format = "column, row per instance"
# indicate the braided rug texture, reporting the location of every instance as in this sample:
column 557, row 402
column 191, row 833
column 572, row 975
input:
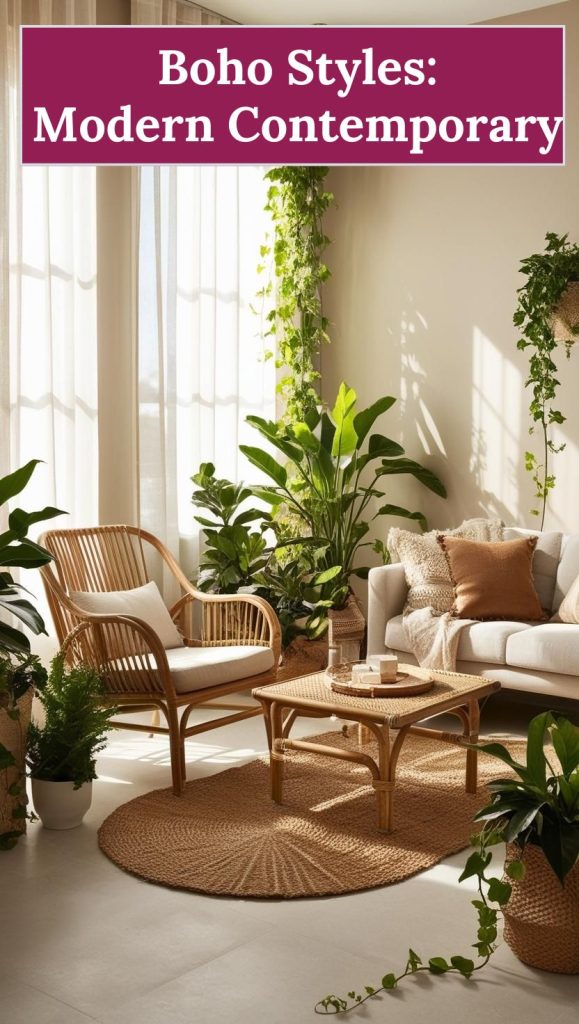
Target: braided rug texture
column 226, row 837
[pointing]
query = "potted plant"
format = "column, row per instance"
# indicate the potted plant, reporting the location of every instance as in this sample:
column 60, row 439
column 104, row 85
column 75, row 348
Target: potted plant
column 20, row 671
column 62, row 751
column 535, row 811
column 547, row 313
column 330, row 479
column 237, row 557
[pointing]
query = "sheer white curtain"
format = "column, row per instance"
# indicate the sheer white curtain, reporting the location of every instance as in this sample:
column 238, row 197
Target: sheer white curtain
column 174, row 12
column 48, row 396
column 201, row 366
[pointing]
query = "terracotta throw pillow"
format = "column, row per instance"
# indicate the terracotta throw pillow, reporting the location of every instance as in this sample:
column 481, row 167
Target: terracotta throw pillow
column 425, row 567
column 493, row 581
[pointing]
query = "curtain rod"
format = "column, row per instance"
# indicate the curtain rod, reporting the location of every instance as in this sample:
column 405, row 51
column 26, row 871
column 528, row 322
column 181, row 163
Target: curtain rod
column 208, row 10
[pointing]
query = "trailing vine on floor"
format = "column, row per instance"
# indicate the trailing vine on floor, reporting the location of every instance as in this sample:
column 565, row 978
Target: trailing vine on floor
column 296, row 202
column 490, row 890
column 548, row 275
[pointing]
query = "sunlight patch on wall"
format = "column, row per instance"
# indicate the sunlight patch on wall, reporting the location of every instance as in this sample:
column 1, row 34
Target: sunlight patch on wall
column 497, row 387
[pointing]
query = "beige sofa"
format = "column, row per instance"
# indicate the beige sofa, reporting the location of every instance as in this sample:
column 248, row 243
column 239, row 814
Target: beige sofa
column 540, row 659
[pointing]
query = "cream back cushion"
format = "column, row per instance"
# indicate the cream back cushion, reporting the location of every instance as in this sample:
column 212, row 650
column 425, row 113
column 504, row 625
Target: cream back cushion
column 569, row 607
column 143, row 603
column 425, row 566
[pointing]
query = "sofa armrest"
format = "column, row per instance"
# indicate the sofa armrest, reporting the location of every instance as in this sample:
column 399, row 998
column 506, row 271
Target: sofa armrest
column 387, row 590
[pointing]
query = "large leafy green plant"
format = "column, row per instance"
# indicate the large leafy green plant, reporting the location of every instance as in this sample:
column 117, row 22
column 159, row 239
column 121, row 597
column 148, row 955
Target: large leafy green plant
column 237, row 557
column 64, row 748
column 548, row 274
column 329, row 477
column 537, row 805
column 19, row 669
column 296, row 201
column 540, row 805
column 233, row 552
column 17, row 550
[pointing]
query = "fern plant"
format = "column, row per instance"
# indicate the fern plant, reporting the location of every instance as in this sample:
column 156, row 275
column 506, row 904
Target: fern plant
column 64, row 749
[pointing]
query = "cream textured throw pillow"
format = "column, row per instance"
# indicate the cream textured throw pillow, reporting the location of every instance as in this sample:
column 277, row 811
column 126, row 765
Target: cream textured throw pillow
column 425, row 566
column 569, row 607
column 143, row 603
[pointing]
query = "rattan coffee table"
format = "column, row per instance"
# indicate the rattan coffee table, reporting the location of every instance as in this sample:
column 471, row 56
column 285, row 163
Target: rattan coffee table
column 311, row 697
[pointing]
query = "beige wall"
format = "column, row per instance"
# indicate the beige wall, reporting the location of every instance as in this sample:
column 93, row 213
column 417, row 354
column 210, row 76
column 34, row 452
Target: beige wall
column 425, row 265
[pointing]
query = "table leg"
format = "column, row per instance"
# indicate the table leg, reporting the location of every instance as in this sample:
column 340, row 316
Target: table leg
column 276, row 753
column 472, row 755
column 384, row 785
column 364, row 734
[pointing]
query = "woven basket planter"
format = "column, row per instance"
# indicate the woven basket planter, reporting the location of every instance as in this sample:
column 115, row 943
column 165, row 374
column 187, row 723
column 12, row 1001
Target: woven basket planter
column 13, row 737
column 347, row 628
column 566, row 314
column 542, row 917
column 303, row 657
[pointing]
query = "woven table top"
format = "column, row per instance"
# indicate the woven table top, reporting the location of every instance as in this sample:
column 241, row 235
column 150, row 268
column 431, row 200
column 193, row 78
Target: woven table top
column 450, row 690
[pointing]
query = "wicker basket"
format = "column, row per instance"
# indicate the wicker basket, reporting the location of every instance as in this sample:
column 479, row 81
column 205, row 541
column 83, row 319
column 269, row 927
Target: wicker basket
column 303, row 657
column 542, row 917
column 13, row 737
column 566, row 314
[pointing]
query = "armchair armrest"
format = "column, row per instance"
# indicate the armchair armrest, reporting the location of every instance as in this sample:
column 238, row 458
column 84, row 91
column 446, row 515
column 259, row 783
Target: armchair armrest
column 235, row 618
column 387, row 590
column 120, row 649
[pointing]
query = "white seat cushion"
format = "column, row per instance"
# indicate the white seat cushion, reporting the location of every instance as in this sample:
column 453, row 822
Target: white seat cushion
column 143, row 603
column 552, row 647
column 195, row 668
column 479, row 641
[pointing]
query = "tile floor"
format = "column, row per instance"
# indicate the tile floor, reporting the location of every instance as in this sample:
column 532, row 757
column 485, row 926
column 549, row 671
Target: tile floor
column 82, row 941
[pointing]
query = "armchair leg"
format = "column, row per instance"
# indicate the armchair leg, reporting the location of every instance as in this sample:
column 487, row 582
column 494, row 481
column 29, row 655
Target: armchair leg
column 177, row 752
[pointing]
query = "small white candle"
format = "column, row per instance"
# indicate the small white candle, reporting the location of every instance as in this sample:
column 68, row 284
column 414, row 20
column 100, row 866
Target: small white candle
column 357, row 673
column 386, row 665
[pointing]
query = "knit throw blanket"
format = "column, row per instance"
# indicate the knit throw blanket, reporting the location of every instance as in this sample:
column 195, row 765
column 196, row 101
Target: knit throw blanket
column 433, row 638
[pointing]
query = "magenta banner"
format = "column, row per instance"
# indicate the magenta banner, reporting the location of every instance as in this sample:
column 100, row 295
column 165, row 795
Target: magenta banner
column 311, row 95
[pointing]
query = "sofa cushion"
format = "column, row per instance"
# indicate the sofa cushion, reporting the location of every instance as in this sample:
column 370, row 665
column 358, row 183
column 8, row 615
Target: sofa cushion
column 493, row 581
column 545, row 561
column 568, row 568
column 479, row 641
column 425, row 567
column 569, row 607
column 552, row 647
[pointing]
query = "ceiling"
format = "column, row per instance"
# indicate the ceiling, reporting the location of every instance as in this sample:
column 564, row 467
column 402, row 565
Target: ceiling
column 370, row 12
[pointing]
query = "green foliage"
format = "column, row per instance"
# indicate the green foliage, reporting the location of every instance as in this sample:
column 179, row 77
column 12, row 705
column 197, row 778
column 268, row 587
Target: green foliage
column 16, row 550
column 18, row 672
column 296, row 202
column 233, row 552
column 328, row 454
column 548, row 274
column 537, row 806
column 238, row 558
column 540, row 806
column 75, row 727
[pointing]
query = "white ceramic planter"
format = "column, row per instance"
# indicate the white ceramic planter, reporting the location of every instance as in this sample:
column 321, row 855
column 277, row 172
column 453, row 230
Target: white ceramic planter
column 58, row 804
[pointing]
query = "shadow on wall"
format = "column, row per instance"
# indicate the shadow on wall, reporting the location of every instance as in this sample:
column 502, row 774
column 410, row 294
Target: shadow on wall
column 425, row 266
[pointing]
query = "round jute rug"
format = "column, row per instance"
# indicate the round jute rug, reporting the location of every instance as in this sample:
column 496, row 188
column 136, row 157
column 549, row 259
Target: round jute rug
column 225, row 836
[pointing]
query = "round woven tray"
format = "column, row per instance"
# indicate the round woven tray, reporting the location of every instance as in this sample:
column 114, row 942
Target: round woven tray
column 340, row 680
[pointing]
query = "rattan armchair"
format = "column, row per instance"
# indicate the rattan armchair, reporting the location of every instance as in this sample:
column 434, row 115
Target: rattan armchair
column 125, row 650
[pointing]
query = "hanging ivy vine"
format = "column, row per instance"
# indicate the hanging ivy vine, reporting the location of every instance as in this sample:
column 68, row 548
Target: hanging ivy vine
column 548, row 275
column 296, row 202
